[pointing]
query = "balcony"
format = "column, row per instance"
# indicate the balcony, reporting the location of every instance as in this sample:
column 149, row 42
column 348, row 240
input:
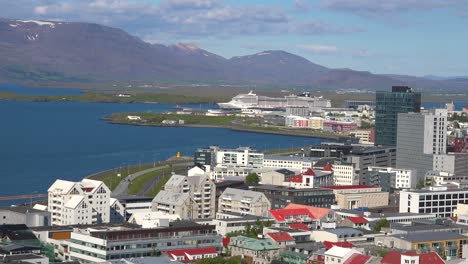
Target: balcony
column 246, row 201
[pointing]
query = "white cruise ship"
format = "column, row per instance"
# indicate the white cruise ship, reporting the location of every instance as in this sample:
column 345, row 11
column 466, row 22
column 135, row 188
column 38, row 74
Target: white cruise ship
column 252, row 100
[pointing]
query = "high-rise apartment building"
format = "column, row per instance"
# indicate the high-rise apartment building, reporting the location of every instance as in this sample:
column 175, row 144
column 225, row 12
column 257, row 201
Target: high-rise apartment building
column 420, row 138
column 401, row 99
column 191, row 197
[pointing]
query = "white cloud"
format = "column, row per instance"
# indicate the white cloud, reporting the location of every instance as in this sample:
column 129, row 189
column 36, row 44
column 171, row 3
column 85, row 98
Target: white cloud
column 319, row 48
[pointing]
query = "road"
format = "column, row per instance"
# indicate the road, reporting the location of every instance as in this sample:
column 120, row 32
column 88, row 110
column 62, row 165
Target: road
column 122, row 188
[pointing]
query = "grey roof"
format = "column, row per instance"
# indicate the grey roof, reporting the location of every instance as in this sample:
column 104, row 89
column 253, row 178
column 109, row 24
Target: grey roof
column 17, row 257
column 166, row 197
column 145, row 260
column 324, row 161
column 430, row 236
column 344, row 231
column 238, row 194
column 425, row 228
column 175, row 180
column 380, row 215
column 130, row 198
column 21, row 209
column 291, row 189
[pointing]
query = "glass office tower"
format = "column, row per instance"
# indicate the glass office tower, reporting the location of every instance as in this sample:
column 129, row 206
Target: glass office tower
column 401, row 99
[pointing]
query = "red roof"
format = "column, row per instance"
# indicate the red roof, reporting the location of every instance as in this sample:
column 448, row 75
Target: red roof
column 193, row 251
column 345, row 187
column 281, row 214
column 393, row 257
column 358, row 220
column 309, row 172
column 327, row 167
column 296, row 178
column 329, row 244
column 280, row 236
column 300, row 226
column 226, row 241
column 357, row 259
column 316, row 212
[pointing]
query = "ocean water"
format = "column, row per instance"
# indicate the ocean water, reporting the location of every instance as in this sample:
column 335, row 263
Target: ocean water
column 41, row 142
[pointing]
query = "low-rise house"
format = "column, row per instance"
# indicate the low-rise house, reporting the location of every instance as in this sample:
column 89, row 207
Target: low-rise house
column 311, row 179
column 338, row 255
column 244, row 201
column 446, row 243
column 259, row 251
column 283, row 239
column 356, row 222
column 313, row 217
column 340, row 234
column 192, row 254
column 394, row 257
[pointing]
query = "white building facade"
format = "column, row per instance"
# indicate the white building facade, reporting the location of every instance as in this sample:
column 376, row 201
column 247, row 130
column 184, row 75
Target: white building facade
column 85, row 202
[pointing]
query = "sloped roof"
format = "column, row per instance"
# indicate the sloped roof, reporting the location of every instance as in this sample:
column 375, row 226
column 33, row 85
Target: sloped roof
column 295, row 178
column 238, row 194
column 299, row 226
column 61, row 186
column 172, row 198
column 281, row 214
column 340, row 252
column 329, row 244
column 357, row 258
column 280, row 236
column 74, row 201
column 328, row 167
column 358, row 219
column 317, row 212
column 393, row 257
column 309, row 172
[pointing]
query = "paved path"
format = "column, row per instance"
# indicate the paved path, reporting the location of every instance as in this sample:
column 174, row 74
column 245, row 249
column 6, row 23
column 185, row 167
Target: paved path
column 156, row 178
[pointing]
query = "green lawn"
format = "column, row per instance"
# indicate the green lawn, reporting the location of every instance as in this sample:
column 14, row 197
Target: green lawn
column 157, row 118
column 140, row 182
column 111, row 179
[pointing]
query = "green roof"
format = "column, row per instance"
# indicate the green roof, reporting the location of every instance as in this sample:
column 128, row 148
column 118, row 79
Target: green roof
column 253, row 244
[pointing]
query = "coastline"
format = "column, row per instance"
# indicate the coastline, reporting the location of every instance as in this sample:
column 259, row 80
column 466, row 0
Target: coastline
column 233, row 128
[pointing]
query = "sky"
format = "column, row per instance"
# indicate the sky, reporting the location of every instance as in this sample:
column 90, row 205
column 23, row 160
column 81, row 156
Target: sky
column 410, row 37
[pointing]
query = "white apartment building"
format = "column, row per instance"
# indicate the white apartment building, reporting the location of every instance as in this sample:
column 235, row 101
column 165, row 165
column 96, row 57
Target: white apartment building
column 85, row 202
column 440, row 201
column 244, row 202
column 188, row 196
column 394, row 178
column 243, row 157
column 296, row 163
column 344, row 174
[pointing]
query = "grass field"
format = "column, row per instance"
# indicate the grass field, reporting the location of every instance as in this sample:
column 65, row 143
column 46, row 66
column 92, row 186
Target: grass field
column 139, row 183
column 157, row 118
column 111, row 179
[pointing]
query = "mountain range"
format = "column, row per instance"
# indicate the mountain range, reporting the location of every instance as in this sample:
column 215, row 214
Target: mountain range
column 49, row 51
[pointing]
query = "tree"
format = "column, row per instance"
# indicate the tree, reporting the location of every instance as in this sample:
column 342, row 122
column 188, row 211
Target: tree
column 420, row 184
column 252, row 179
column 381, row 223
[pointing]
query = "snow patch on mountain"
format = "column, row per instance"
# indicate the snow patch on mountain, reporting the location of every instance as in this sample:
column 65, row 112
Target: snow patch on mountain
column 38, row 22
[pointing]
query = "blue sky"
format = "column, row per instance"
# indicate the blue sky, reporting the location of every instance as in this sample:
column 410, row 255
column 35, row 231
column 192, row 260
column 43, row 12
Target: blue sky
column 413, row 37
